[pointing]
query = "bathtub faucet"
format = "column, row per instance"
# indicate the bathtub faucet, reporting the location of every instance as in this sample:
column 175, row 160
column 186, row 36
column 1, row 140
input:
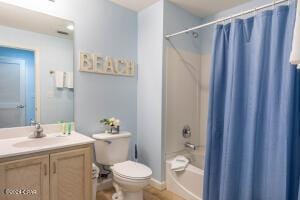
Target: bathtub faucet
column 191, row 146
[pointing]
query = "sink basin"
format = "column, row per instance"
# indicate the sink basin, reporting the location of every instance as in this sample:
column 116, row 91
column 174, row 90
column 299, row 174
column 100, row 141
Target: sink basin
column 40, row 142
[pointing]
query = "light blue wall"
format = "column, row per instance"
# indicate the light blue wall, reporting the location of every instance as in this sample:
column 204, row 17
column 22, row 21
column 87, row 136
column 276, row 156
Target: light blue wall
column 150, row 59
column 28, row 57
column 153, row 22
column 110, row 30
column 207, row 33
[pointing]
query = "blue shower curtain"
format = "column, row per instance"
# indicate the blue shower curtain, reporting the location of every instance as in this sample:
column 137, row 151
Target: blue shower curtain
column 253, row 145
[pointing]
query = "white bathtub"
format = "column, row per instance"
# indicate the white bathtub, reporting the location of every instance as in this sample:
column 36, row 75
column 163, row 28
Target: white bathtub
column 189, row 183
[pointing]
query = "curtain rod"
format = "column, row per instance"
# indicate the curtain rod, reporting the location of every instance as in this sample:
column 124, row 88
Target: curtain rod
column 168, row 36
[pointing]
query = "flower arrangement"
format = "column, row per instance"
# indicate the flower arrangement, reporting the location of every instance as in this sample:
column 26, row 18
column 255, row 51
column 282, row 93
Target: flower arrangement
column 112, row 125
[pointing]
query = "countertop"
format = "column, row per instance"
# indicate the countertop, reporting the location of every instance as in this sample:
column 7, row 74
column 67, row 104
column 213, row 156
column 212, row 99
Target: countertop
column 15, row 146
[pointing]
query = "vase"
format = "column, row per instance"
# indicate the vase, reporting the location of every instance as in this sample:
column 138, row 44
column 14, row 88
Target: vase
column 112, row 129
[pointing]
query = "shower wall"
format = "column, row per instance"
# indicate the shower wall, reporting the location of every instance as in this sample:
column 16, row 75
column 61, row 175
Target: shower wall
column 204, row 95
column 187, row 83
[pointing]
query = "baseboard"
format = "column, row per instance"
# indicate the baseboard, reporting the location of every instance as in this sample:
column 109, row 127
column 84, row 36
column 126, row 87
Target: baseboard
column 157, row 184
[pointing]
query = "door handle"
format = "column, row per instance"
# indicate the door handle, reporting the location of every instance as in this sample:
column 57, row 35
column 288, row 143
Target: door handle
column 20, row 106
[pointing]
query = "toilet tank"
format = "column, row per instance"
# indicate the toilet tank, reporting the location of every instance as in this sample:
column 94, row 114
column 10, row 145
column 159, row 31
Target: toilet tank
column 112, row 148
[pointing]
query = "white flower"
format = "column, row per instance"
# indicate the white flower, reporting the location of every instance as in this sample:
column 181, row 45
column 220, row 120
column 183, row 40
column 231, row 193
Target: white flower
column 117, row 122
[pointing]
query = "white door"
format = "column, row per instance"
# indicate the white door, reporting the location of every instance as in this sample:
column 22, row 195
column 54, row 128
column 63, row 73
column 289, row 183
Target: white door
column 12, row 92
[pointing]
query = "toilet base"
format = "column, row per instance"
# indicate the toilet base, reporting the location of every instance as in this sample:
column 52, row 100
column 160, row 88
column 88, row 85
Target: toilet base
column 125, row 195
column 133, row 195
column 128, row 196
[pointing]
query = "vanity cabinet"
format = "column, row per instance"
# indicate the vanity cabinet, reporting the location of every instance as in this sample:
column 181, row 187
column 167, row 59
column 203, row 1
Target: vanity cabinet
column 31, row 175
column 70, row 175
column 56, row 175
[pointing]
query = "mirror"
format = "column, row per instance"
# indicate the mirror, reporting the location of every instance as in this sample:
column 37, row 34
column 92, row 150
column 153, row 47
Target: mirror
column 36, row 67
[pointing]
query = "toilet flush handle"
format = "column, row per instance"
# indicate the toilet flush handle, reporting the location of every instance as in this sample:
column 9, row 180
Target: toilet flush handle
column 108, row 141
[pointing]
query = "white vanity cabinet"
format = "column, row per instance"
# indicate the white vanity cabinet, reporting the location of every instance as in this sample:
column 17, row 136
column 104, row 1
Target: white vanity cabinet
column 61, row 174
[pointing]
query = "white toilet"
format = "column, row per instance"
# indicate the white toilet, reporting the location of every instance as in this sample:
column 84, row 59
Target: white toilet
column 129, row 177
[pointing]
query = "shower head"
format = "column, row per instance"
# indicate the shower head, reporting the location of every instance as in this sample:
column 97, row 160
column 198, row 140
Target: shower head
column 194, row 34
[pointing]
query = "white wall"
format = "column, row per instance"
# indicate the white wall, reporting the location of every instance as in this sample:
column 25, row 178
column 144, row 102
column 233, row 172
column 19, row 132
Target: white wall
column 150, row 59
column 181, row 78
column 185, row 82
column 54, row 54
column 204, row 96
column 183, row 98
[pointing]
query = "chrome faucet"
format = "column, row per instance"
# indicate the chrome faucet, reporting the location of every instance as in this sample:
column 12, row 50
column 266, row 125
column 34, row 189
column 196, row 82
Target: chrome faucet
column 191, row 146
column 38, row 131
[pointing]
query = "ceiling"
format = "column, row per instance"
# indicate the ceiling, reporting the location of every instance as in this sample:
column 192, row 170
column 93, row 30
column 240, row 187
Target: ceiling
column 201, row 8
column 135, row 5
column 21, row 18
column 204, row 8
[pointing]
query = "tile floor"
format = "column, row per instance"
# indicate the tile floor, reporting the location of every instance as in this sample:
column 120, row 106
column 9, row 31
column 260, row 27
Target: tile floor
column 150, row 193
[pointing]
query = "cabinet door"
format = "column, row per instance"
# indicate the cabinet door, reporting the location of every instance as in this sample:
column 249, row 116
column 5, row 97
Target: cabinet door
column 70, row 177
column 25, row 179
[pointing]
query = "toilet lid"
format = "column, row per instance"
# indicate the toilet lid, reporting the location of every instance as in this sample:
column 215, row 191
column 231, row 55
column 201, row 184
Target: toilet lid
column 132, row 170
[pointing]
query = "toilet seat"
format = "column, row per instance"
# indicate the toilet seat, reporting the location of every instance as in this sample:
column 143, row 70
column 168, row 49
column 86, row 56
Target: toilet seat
column 132, row 170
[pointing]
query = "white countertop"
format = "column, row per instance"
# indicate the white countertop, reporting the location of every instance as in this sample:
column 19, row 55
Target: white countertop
column 15, row 146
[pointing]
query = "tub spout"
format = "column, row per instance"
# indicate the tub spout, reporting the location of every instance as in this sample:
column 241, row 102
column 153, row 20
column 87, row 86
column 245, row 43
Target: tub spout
column 191, row 146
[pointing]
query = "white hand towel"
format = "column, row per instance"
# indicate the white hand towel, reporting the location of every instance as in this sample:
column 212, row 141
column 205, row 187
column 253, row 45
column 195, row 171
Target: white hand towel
column 69, row 80
column 179, row 163
column 59, row 79
column 295, row 54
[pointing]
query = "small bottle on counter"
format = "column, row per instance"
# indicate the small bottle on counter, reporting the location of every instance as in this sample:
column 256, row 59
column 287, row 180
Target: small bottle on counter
column 69, row 128
column 64, row 127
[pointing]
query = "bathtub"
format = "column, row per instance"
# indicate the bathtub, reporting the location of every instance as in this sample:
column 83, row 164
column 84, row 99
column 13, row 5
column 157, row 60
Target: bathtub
column 189, row 183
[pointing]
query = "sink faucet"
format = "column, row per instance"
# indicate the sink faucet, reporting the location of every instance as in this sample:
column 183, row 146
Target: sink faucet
column 191, row 146
column 38, row 131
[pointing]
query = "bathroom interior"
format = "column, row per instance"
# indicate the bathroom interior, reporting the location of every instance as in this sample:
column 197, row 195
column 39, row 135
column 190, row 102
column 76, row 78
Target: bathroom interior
column 149, row 100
